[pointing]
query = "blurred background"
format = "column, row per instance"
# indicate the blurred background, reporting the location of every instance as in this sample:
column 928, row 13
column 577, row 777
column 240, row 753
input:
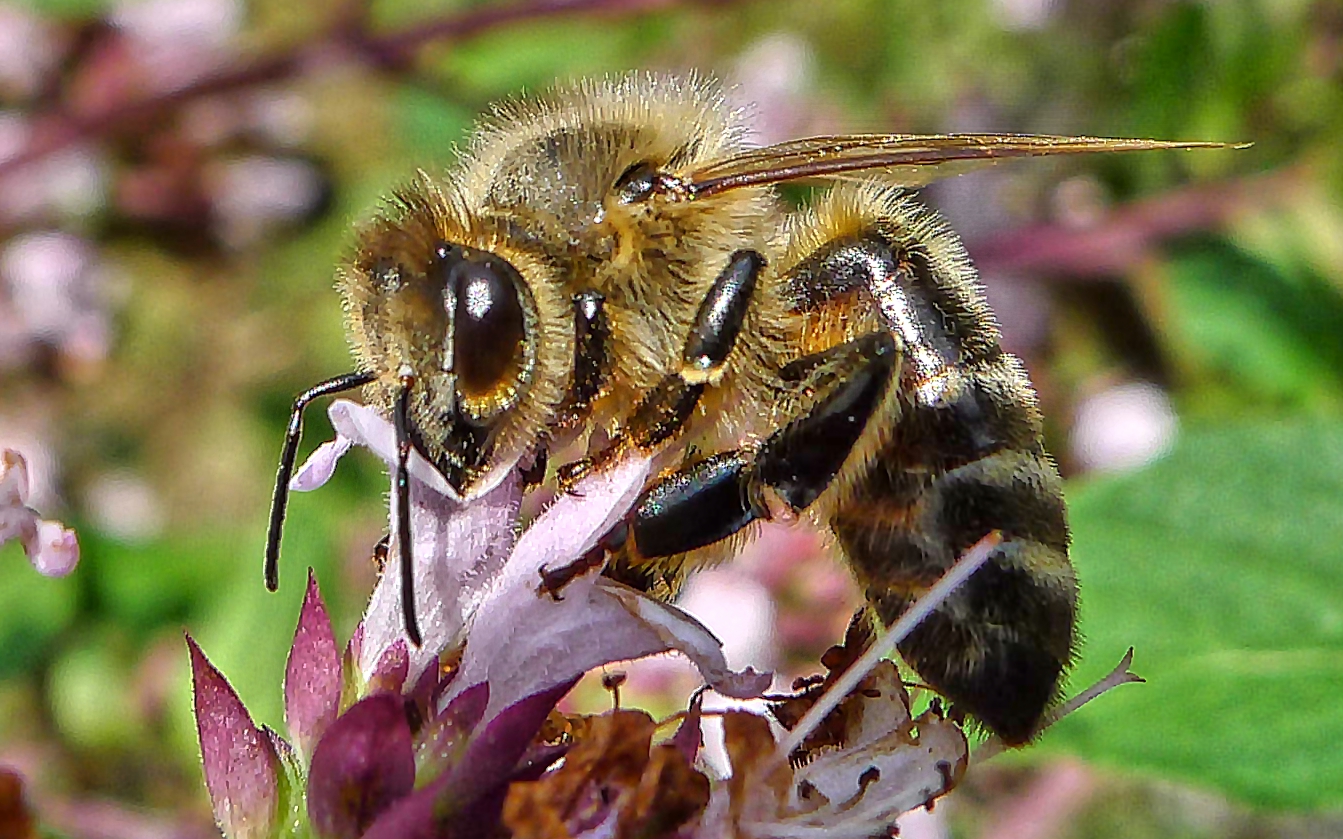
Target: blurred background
column 178, row 178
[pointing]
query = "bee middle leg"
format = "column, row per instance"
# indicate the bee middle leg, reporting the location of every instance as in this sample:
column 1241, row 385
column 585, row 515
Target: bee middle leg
column 712, row 499
column 667, row 407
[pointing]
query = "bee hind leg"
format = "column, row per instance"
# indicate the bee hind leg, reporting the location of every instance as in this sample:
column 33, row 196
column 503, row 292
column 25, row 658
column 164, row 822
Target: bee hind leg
column 711, row 499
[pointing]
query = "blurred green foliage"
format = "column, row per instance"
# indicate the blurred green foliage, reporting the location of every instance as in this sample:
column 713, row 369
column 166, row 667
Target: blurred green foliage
column 1220, row 566
column 1219, row 563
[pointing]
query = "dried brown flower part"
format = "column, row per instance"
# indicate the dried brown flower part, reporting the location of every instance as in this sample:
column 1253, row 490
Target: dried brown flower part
column 789, row 710
column 615, row 783
column 870, row 762
column 758, row 788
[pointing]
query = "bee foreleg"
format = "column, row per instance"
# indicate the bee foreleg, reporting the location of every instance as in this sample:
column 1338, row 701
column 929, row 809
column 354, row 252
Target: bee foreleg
column 592, row 335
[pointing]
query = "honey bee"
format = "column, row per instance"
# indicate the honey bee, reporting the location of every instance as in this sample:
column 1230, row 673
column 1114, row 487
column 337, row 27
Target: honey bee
column 609, row 268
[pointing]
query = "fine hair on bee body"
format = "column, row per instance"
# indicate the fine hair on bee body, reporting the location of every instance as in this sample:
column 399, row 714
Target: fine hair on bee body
column 609, row 269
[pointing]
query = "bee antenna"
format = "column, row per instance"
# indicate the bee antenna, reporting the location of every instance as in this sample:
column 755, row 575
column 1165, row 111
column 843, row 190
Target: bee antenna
column 288, row 455
column 401, row 421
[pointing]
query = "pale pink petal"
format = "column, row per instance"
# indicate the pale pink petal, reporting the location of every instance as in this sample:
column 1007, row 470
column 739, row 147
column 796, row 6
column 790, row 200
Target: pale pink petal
column 13, row 479
column 677, row 630
column 457, row 549
column 51, row 547
column 365, row 426
column 54, row 551
column 320, row 465
column 523, row 641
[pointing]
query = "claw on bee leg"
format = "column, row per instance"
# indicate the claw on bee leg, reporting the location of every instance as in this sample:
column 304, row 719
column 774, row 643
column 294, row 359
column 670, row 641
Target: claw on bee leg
column 553, row 581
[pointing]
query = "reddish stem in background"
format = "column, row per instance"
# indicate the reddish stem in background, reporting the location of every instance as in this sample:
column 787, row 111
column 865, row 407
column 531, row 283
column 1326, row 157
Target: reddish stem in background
column 347, row 40
column 1124, row 238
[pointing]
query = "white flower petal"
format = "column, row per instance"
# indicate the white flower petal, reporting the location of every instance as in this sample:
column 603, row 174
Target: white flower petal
column 320, row 465
column 458, row 549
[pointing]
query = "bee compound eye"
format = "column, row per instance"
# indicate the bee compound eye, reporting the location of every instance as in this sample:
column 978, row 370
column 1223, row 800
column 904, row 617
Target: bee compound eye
column 488, row 325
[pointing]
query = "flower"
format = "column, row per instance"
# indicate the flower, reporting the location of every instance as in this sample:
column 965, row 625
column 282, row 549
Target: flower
column 461, row 737
column 50, row 546
column 386, row 740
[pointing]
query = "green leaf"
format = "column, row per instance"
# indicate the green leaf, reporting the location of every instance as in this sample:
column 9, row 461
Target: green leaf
column 1220, row 564
column 1268, row 334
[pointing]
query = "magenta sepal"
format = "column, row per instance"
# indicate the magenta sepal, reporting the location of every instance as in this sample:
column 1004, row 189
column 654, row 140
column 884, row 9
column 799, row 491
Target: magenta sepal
column 314, row 675
column 363, row 764
column 465, row 800
column 445, row 737
column 240, row 761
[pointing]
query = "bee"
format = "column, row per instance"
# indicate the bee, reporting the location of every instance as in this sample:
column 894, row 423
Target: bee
column 609, row 269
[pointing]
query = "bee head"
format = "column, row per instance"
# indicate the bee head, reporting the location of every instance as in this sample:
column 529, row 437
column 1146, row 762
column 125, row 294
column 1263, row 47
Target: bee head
column 475, row 332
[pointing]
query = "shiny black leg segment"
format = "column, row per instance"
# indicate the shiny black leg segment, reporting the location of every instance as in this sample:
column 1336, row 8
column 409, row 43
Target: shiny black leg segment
column 720, row 315
column 802, row 458
column 718, row 322
column 280, row 500
column 701, row 504
column 714, row 498
column 667, row 407
column 592, row 336
column 401, row 421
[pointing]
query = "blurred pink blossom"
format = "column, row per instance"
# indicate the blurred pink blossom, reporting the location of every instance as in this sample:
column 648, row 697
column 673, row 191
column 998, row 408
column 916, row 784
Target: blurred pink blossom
column 51, row 547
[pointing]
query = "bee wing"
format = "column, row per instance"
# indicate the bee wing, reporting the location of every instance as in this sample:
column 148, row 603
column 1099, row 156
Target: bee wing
column 913, row 159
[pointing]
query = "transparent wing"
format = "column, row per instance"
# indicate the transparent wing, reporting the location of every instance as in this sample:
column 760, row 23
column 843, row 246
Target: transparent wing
column 912, row 159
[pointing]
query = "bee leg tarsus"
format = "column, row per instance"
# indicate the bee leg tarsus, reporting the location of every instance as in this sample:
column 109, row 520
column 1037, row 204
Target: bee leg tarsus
column 592, row 337
column 568, row 475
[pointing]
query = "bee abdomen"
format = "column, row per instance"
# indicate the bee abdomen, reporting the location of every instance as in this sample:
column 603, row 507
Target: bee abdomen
column 960, row 457
column 999, row 644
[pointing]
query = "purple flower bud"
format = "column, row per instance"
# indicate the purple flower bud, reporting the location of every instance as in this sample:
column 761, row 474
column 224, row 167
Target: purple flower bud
column 240, row 761
column 313, row 677
column 469, row 794
column 362, row 766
